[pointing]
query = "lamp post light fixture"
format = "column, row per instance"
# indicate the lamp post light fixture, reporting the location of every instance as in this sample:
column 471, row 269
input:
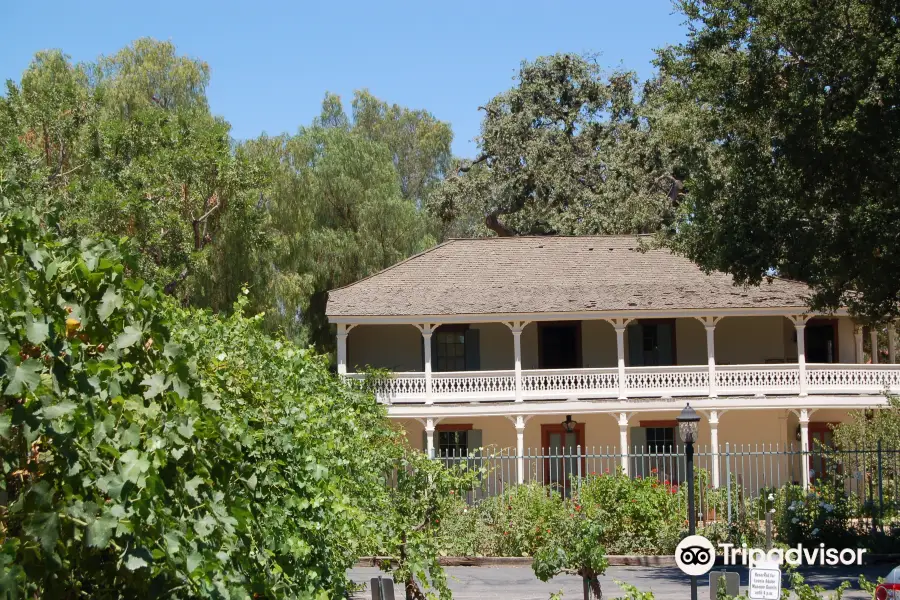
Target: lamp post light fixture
column 569, row 424
column 688, row 421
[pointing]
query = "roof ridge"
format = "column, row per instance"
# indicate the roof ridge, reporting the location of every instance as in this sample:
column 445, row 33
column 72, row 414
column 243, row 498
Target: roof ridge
column 395, row 265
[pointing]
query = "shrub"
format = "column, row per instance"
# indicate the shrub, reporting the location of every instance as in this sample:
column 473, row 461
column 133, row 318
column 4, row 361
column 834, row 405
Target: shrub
column 150, row 451
column 642, row 516
column 515, row 523
column 821, row 514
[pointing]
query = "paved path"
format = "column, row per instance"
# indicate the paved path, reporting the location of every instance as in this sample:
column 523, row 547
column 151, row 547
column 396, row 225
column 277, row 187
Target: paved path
column 667, row 583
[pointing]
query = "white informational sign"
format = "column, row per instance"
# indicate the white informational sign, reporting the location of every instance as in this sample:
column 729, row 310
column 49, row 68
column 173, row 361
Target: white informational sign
column 765, row 581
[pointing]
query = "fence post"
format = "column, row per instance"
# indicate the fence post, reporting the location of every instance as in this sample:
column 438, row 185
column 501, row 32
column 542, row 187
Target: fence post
column 578, row 461
column 728, row 479
column 880, row 491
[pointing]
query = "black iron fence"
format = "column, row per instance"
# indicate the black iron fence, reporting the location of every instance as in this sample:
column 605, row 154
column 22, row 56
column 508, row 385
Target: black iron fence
column 733, row 481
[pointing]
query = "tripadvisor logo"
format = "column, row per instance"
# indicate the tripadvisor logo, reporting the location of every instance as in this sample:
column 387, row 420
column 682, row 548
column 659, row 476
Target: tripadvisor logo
column 695, row 555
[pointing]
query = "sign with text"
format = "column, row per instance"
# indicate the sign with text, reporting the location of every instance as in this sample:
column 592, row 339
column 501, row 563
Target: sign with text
column 765, row 582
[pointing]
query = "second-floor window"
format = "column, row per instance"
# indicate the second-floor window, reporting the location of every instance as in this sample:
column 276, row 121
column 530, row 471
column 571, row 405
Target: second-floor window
column 651, row 343
column 451, row 349
column 455, row 348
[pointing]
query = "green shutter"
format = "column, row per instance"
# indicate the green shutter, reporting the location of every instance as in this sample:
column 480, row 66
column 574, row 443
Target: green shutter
column 473, row 441
column 637, row 446
column 473, row 350
column 666, row 352
column 635, row 345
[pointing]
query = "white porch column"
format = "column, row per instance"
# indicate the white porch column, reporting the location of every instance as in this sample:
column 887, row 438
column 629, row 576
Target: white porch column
column 873, row 336
column 800, row 327
column 804, row 446
column 710, row 324
column 619, row 325
column 520, row 447
column 343, row 330
column 516, row 327
column 427, row 330
column 714, row 442
column 430, row 426
column 892, row 342
column 858, row 335
column 623, row 440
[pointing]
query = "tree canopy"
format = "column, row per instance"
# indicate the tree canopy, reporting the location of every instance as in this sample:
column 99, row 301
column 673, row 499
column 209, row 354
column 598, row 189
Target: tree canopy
column 786, row 115
column 338, row 208
column 130, row 148
column 564, row 151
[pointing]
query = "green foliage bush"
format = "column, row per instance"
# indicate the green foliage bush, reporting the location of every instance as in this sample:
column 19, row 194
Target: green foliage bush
column 154, row 451
column 820, row 515
column 636, row 516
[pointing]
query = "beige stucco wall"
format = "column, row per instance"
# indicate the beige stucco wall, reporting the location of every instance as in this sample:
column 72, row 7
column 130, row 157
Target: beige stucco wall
column 690, row 342
column 749, row 340
column 496, row 341
column 598, row 344
column 394, row 347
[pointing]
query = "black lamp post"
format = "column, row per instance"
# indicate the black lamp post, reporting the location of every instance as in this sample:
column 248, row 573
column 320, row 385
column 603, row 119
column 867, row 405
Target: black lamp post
column 688, row 421
column 569, row 424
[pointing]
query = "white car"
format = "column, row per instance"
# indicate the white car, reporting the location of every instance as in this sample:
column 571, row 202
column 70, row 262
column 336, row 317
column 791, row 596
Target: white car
column 890, row 588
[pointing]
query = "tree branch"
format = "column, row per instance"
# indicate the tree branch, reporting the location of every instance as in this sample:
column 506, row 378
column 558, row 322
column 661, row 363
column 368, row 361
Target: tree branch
column 169, row 289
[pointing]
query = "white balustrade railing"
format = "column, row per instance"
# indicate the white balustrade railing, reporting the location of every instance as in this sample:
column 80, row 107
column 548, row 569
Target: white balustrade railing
column 851, row 379
column 757, row 379
column 485, row 385
column 640, row 382
column 397, row 387
column 667, row 381
column 563, row 383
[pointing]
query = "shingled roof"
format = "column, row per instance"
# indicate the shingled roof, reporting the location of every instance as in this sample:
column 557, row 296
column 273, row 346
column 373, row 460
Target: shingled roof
column 550, row 275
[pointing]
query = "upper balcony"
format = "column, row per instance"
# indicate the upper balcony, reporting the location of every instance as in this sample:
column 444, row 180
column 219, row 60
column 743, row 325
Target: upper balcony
column 619, row 359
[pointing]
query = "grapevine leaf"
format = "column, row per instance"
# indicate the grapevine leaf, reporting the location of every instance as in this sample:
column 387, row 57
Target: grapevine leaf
column 25, row 375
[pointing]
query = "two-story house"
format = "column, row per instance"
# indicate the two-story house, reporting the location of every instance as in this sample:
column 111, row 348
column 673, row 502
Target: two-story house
column 495, row 341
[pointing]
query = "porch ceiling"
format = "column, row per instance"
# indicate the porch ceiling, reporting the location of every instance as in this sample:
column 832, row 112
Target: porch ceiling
column 551, row 275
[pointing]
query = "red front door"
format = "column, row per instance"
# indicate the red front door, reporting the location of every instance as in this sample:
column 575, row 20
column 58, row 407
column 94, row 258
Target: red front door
column 562, row 456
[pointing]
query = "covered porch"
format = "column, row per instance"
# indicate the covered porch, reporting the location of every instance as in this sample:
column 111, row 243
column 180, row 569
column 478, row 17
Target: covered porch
column 690, row 355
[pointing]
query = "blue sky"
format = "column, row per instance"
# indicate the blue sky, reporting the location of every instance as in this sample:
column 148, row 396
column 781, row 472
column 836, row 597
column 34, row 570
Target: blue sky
column 273, row 62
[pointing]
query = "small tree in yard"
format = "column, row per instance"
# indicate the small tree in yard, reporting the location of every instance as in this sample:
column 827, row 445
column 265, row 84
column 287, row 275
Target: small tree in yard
column 576, row 550
column 424, row 492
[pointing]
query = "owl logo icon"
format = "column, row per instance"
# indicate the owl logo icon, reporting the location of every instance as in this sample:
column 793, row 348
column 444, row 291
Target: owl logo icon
column 695, row 555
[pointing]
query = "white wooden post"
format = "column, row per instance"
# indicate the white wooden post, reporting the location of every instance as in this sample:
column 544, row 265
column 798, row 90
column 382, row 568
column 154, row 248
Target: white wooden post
column 620, row 325
column 873, row 336
column 430, row 426
column 427, row 330
column 520, row 448
column 804, row 446
column 623, row 441
column 892, row 342
column 342, row 332
column 714, row 441
column 710, row 324
column 858, row 334
column 516, row 327
column 800, row 328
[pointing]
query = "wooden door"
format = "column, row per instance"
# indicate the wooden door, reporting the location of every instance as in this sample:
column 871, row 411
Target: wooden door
column 562, row 458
